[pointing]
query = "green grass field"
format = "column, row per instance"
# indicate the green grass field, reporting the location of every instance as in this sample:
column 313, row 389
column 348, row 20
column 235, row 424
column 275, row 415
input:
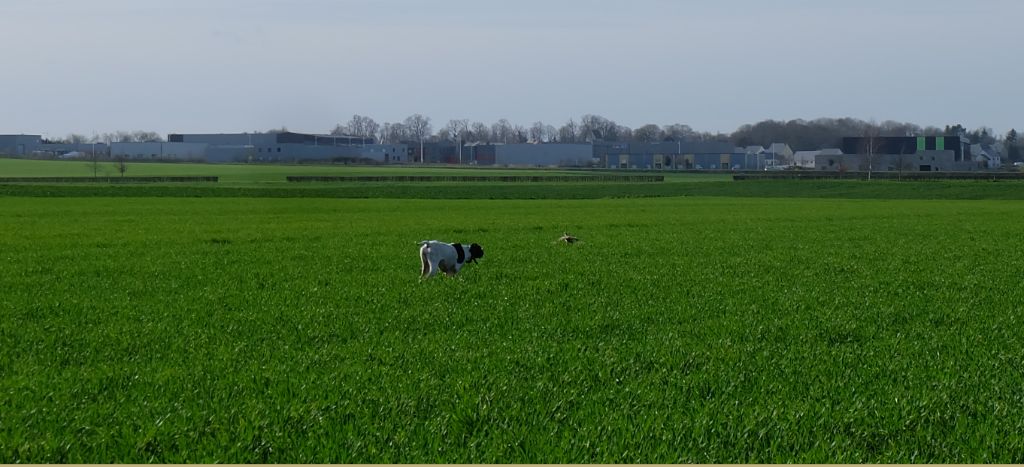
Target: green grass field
column 724, row 328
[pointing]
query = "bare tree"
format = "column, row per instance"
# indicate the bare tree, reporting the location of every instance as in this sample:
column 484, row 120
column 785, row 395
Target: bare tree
column 569, row 133
column 418, row 126
column 370, row 128
column 538, row 133
column 894, row 128
column 355, row 126
column 148, row 136
column 550, row 133
column 137, row 136
column 480, row 132
column 678, row 132
column 457, row 128
column 648, row 133
column 419, row 129
column 596, row 127
column 394, row 133
column 75, row 138
column 519, row 134
column 872, row 144
column 107, row 137
column 358, row 126
column 95, row 164
column 121, row 165
column 501, row 131
column 623, row 133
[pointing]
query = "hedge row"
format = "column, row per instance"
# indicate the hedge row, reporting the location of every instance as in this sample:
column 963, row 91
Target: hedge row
column 882, row 176
column 483, row 178
column 153, row 179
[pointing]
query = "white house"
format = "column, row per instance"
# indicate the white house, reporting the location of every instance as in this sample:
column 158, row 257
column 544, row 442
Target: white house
column 986, row 156
column 805, row 159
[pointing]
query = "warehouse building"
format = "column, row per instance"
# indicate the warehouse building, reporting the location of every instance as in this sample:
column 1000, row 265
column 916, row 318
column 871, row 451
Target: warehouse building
column 901, row 153
column 292, row 147
column 194, row 152
column 675, row 155
column 529, row 154
column 20, row 145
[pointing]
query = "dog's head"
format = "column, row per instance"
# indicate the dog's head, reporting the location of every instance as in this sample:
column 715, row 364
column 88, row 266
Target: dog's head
column 475, row 252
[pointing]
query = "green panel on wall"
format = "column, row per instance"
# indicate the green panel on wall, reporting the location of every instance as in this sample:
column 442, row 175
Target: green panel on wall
column 920, row 143
column 940, row 143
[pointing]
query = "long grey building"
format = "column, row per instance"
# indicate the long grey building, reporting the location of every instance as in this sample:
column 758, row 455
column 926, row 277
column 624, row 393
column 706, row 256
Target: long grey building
column 526, row 154
column 899, row 153
column 291, row 147
column 160, row 151
column 684, row 155
column 20, row 145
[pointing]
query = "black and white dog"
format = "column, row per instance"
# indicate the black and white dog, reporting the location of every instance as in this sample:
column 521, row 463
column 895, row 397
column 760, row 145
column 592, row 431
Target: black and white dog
column 446, row 257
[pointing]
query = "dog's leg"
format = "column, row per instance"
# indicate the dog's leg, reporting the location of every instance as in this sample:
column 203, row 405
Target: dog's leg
column 433, row 269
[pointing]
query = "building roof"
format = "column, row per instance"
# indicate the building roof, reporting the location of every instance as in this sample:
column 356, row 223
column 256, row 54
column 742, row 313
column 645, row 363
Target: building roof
column 985, row 150
column 779, row 148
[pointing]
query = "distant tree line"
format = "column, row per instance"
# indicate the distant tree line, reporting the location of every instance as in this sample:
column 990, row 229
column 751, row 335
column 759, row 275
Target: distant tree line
column 588, row 128
column 137, row 136
column 800, row 135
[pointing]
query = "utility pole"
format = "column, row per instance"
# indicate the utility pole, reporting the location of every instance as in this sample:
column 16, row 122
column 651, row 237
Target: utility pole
column 870, row 135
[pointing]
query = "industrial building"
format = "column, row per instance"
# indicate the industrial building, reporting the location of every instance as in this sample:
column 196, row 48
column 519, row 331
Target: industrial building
column 922, row 161
column 20, row 145
column 36, row 146
column 289, row 147
column 194, row 152
column 527, row 154
column 682, row 155
column 901, row 153
column 668, row 155
column 908, row 145
column 911, row 153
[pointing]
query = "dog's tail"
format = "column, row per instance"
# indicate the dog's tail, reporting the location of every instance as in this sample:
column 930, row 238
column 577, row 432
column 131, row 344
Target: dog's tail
column 424, row 262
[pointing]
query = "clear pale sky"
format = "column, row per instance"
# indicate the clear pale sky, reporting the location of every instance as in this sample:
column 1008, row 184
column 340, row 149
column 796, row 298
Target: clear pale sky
column 243, row 65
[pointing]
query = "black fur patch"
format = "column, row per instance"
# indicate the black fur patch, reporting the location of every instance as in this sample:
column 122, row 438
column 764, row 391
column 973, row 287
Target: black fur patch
column 461, row 258
column 475, row 252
